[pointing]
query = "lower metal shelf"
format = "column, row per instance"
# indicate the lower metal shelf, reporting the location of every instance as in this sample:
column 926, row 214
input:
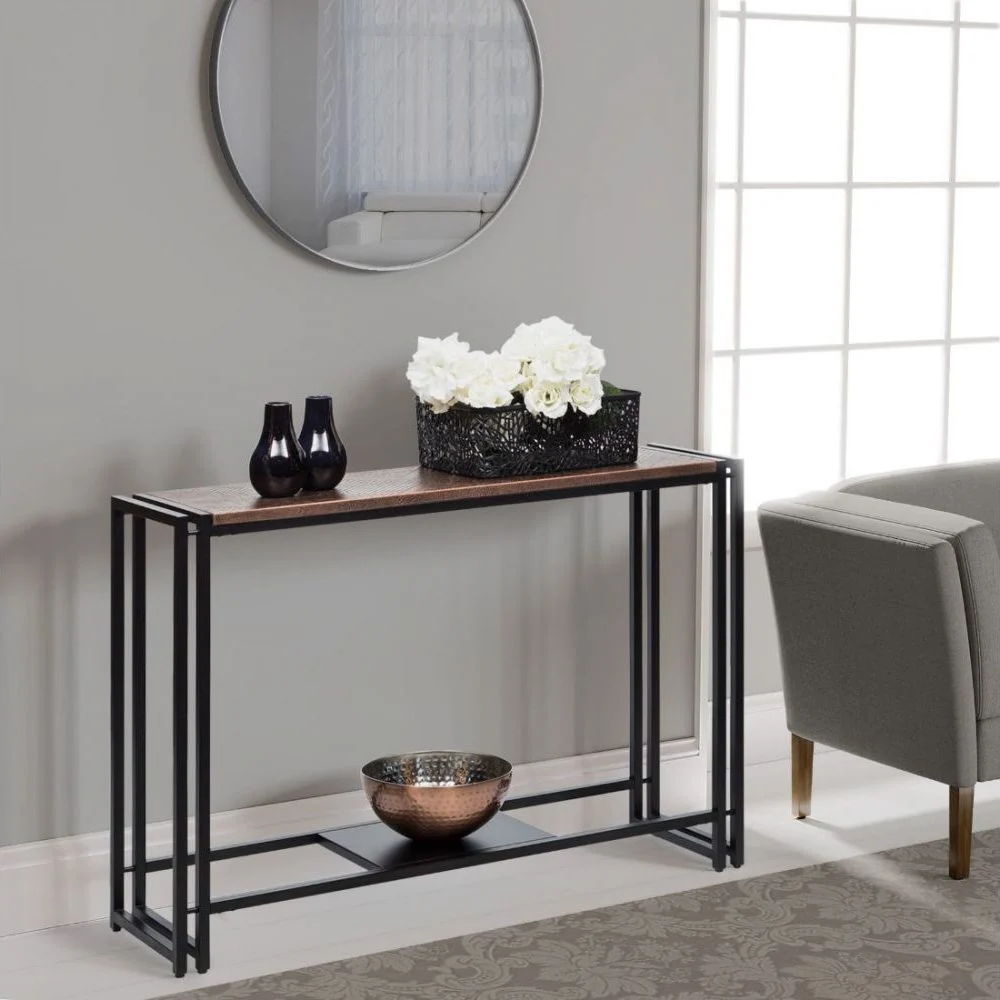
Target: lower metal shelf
column 377, row 848
column 387, row 857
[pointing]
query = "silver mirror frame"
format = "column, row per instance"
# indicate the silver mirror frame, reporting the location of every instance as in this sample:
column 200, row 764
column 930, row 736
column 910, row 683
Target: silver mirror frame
column 218, row 40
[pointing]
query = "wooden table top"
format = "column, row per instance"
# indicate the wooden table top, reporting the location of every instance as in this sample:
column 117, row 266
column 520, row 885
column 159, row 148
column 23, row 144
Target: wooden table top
column 379, row 489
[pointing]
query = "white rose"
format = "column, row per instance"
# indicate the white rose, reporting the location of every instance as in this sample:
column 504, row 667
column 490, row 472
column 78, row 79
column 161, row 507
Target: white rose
column 507, row 372
column 553, row 350
column 486, row 380
column 550, row 363
column 586, row 395
column 597, row 361
column 523, row 344
column 533, row 375
column 466, row 368
column 557, row 329
column 432, row 370
column 563, row 357
column 472, row 376
column 548, row 399
column 486, row 393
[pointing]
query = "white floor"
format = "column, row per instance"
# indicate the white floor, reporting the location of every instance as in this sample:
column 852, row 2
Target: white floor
column 858, row 808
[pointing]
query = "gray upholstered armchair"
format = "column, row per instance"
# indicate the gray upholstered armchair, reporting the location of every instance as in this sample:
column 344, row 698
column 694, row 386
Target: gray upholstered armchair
column 887, row 593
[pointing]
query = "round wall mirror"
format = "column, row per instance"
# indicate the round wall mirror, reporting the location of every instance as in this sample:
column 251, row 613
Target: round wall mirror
column 377, row 134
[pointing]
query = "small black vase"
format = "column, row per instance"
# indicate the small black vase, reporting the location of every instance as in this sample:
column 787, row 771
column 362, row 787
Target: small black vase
column 326, row 457
column 278, row 466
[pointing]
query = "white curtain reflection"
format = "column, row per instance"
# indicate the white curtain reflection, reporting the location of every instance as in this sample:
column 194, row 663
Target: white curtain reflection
column 421, row 96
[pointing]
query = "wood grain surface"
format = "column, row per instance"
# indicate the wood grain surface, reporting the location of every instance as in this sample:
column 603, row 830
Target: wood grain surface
column 413, row 487
column 960, row 806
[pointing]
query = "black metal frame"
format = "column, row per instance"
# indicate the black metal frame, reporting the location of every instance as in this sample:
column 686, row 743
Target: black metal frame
column 724, row 816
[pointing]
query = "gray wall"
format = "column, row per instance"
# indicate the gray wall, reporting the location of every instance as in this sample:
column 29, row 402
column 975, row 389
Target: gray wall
column 146, row 316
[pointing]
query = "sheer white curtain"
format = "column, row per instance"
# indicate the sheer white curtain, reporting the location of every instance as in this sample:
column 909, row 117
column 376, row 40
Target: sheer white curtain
column 422, row 96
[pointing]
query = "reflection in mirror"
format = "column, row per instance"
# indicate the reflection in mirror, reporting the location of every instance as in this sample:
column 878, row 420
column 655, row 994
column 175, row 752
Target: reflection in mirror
column 377, row 133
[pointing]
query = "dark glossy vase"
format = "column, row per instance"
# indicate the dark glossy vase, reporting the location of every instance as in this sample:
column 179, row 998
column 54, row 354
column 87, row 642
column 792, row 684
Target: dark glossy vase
column 278, row 465
column 326, row 457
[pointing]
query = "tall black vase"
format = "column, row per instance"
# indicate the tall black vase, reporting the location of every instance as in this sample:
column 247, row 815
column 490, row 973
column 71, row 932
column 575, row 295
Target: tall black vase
column 326, row 457
column 278, row 465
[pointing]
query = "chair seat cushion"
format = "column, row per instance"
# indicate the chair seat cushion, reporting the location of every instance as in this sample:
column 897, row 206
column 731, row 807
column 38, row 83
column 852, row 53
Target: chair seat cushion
column 988, row 738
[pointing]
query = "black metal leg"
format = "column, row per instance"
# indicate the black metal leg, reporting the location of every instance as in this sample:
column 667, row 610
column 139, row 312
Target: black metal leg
column 653, row 653
column 635, row 655
column 180, row 741
column 202, row 746
column 138, row 712
column 736, row 763
column 117, row 715
column 719, row 629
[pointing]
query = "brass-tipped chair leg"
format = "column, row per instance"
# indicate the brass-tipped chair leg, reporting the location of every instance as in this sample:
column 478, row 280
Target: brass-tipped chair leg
column 802, row 776
column 960, row 802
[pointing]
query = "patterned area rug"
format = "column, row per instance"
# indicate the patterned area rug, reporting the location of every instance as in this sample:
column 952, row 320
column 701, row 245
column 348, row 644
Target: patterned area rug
column 881, row 926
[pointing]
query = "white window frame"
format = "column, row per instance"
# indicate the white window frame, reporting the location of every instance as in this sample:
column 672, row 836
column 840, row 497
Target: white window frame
column 845, row 347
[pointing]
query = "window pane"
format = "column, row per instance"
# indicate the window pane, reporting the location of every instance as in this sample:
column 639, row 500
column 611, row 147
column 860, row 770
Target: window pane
column 899, row 259
column 974, row 427
column 902, row 103
column 918, row 10
column 724, row 270
column 729, row 4
column 727, row 96
column 793, row 268
column 722, row 406
column 789, row 423
column 797, row 86
column 838, row 7
column 979, row 105
column 981, row 10
column 894, row 408
column 976, row 292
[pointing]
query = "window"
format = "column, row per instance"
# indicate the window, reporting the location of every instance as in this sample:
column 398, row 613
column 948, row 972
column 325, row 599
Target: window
column 451, row 84
column 854, row 314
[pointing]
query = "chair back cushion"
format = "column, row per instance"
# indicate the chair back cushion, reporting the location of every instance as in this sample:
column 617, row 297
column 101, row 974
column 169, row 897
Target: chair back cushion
column 971, row 489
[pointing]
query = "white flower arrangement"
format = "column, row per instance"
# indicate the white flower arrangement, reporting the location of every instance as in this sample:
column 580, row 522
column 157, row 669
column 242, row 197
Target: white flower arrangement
column 550, row 365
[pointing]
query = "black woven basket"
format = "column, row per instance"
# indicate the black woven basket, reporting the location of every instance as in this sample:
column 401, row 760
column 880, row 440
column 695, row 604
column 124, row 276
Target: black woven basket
column 510, row 441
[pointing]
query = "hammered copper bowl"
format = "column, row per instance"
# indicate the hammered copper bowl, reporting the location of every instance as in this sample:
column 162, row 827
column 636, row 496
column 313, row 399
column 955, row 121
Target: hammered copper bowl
column 436, row 795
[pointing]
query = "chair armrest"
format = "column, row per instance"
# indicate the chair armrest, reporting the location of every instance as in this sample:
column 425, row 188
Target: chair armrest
column 355, row 230
column 883, row 614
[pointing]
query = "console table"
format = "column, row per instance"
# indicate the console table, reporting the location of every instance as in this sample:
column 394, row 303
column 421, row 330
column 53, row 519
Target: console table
column 379, row 855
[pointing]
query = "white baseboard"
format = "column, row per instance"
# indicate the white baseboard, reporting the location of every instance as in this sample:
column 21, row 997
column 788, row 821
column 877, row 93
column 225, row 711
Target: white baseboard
column 767, row 736
column 766, row 732
column 65, row 881
column 772, row 701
